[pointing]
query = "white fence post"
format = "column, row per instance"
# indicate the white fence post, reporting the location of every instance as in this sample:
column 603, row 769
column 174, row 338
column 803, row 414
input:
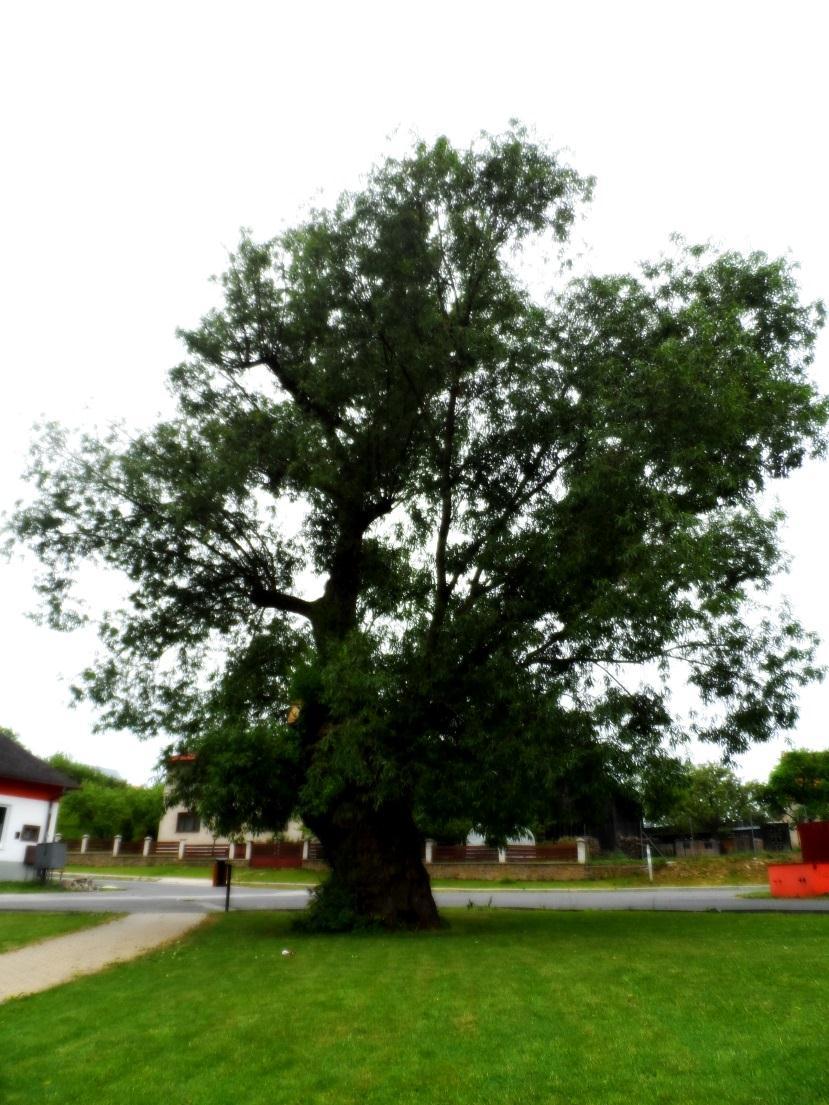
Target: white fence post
column 306, row 848
column 148, row 845
column 182, row 849
column 231, row 850
column 248, row 850
column 502, row 855
column 581, row 850
column 116, row 846
column 430, row 851
column 84, row 843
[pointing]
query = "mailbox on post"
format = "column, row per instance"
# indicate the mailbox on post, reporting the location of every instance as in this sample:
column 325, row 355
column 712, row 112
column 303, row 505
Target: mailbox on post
column 46, row 857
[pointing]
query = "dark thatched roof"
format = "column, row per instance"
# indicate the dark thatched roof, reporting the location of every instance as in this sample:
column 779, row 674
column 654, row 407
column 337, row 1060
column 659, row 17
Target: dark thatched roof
column 17, row 763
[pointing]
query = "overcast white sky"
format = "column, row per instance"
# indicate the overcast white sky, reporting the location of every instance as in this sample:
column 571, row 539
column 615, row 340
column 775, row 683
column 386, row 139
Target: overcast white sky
column 138, row 138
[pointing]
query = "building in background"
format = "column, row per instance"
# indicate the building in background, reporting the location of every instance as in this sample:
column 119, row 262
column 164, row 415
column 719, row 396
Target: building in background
column 179, row 823
column 30, row 791
column 183, row 824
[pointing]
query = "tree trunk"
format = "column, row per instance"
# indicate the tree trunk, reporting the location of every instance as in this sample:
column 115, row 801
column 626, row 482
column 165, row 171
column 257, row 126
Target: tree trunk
column 377, row 873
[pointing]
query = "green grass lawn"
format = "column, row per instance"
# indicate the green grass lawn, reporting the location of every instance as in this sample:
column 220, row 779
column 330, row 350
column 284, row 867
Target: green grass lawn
column 17, row 929
column 29, row 887
column 501, row 1008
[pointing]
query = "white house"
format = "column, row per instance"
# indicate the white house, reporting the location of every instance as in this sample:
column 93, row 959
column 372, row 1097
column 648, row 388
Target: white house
column 30, row 791
column 179, row 823
column 183, row 824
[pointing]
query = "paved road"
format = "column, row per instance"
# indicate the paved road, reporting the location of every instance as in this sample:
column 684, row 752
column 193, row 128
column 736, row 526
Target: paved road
column 197, row 896
column 162, row 896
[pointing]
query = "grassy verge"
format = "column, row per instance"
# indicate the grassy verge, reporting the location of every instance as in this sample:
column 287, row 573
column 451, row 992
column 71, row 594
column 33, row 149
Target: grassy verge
column 34, row 887
column 17, row 929
column 785, row 897
column 244, row 875
column 506, row 1008
column 735, row 870
column 540, row 884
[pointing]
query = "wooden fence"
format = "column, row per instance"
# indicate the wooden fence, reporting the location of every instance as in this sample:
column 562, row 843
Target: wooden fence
column 513, row 853
column 165, row 848
column 464, row 853
column 278, row 853
column 283, row 853
column 170, row 849
column 543, row 853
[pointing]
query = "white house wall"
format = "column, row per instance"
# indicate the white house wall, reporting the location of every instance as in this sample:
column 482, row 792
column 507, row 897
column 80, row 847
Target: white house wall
column 20, row 812
column 167, row 830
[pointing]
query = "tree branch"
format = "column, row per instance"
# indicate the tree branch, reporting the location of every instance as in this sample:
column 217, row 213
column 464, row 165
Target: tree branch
column 442, row 589
column 267, row 598
column 328, row 420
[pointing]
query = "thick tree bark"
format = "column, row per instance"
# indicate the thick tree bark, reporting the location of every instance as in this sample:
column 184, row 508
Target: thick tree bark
column 377, row 872
column 375, row 854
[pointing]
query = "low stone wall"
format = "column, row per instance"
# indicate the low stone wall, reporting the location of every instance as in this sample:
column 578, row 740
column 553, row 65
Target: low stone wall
column 514, row 872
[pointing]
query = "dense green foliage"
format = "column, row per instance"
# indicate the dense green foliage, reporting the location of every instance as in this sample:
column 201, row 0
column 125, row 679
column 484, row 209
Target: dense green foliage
column 500, row 1008
column 104, row 806
column 475, row 533
column 709, row 797
column 799, row 785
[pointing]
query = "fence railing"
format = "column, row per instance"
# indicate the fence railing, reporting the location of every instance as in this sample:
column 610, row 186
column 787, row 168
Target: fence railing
column 513, row 853
column 286, row 853
column 278, row 853
column 173, row 849
column 209, row 851
column 131, row 848
column 165, row 848
column 548, row 853
column 464, row 853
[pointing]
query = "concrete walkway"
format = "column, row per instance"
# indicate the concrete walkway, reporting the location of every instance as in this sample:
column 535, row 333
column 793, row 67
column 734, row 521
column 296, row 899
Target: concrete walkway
column 41, row 966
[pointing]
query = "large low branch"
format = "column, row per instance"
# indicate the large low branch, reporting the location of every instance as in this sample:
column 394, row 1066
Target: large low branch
column 270, row 599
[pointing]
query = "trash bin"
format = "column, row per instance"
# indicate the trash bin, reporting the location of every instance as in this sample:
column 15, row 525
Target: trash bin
column 220, row 872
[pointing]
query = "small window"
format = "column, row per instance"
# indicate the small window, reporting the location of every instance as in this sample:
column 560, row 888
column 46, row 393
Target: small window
column 30, row 833
column 2, row 821
column 188, row 822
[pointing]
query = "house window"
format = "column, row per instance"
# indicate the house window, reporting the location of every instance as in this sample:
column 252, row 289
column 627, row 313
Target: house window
column 2, row 821
column 188, row 822
column 30, row 833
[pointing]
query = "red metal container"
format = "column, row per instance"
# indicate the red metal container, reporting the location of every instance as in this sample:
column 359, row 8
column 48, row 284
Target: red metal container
column 798, row 880
column 814, row 841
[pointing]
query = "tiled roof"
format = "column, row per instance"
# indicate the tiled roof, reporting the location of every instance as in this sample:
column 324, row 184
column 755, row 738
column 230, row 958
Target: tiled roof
column 17, row 763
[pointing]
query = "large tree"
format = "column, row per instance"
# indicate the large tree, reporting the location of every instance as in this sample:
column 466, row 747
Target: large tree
column 798, row 785
column 709, row 797
column 467, row 530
